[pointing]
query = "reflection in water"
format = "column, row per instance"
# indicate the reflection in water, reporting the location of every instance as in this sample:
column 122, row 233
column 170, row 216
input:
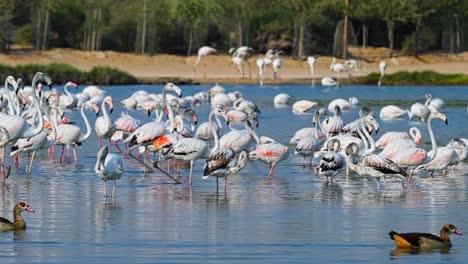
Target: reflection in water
column 412, row 251
column 291, row 217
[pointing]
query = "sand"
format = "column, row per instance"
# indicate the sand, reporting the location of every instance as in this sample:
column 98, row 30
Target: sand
column 221, row 69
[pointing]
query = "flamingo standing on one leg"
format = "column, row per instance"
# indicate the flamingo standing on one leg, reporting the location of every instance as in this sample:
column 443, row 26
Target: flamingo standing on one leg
column 202, row 52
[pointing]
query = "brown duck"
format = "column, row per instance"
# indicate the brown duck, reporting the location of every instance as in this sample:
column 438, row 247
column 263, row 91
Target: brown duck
column 425, row 240
column 18, row 222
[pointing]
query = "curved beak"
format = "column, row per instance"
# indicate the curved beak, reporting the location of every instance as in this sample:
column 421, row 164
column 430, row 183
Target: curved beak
column 149, row 112
column 446, row 121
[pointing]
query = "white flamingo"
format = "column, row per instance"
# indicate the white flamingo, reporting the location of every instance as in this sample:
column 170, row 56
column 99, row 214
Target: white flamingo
column 202, row 52
column 308, row 145
column 282, row 99
column 328, row 81
column 437, row 103
column 382, row 67
column 311, row 60
column 109, row 166
column 391, row 112
column 70, row 100
column 104, row 126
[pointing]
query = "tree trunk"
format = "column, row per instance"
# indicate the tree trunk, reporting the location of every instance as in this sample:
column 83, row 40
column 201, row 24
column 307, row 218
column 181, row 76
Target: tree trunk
column 300, row 43
column 99, row 29
column 38, row 29
column 46, row 28
column 239, row 33
column 345, row 31
column 294, row 44
column 143, row 29
column 415, row 37
column 364, row 36
column 189, row 51
column 93, row 31
column 390, row 38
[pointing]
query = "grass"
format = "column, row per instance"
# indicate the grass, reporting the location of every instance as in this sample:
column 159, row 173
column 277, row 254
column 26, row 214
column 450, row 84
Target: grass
column 62, row 73
column 416, row 78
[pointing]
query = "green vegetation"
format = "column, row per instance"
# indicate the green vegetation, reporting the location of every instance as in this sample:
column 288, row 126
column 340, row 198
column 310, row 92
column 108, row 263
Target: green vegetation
column 63, row 73
column 416, row 78
column 297, row 27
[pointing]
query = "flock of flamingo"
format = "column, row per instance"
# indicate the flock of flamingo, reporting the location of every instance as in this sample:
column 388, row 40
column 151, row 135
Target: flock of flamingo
column 32, row 120
column 241, row 56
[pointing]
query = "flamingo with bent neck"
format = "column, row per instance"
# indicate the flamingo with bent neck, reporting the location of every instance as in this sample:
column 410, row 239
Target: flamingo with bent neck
column 70, row 100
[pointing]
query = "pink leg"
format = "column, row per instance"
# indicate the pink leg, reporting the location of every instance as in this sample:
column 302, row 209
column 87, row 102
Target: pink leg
column 444, row 172
column 74, row 154
column 116, row 144
column 146, row 154
column 3, row 164
column 100, row 142
column 109, row 144
column 61, row 155
column 68, row 153
column 169, row 163
column 225, row 184
column 271, row 170
column 16, row 158
column 178, row 167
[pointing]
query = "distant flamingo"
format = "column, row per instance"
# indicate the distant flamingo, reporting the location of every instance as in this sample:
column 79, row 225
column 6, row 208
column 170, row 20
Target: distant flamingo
column 303, row 106
column 261, row 64
column 382, row 67
column 333, row 124
column 391, row 111
column 282, row 99
column 244, row 53
column 70, row 100
column 311, row 60
column 308, row 145
column 338, row 68
column 202, row 52
column 437, row 103
column 329, row 81
column 108, row 166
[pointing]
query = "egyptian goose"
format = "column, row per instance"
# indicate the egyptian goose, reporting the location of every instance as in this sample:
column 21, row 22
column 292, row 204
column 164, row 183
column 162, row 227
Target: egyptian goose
column 18, row 222
column 425, row 240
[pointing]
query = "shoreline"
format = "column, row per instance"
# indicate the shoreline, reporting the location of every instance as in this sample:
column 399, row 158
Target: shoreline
column 162, row 68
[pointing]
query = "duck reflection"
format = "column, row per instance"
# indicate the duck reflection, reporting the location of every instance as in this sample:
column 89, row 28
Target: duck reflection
column 411, row 251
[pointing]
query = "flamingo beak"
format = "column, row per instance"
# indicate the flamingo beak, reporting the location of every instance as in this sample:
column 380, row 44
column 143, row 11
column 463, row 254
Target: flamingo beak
column 111, row 110
column 149, row 112
column 446, row 121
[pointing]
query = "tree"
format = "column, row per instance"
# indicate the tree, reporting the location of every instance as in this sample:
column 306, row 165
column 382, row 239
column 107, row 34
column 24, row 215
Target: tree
column 364, row 11
column 6, row 27
column 193, row 14
column 394, row 12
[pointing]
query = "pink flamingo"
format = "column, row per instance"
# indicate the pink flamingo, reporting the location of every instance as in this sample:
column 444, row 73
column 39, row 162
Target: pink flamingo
column 413, row 157
column 70, row 134
column 239, row 139
column 393, row 136
column 334, row 124
column 309, row 145
column 104, row 126
column 442, row 157
column 271, row 153
column 125, row 125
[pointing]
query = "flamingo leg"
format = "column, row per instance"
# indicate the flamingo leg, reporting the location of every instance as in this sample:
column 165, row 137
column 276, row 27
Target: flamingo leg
column 3, row 164
column 74, row 154
column 16, row 159
column 205, row 70
column 28, row 170
column 225, row 184
column 109, row 144
column 68, row 153
column 190, row 175
column 116, row 144
column 105, row 188
column 271, row 169
column 61, row 155
column 217, row 184
column 113, row 189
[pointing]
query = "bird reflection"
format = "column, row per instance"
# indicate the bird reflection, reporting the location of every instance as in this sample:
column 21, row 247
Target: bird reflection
column 411, row 251
column 331, row 192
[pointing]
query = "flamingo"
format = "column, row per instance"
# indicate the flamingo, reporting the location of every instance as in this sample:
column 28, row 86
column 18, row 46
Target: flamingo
column 70, row 134
column 342, row 103
column 462, row 152
column 261, row 65
column 442, row 157
column 419, row 111
column 69, row 100
column 382, row 67
column 332, row 162
column 109, row 166
column 104, row 126
column 202, row 52
column 437, row 103
column 412, row 157
column 282, row 99
column 239, row 62
column 239, row 140
column 329, row 81
column 391, row 111
column 354, row 101
column 392, row 136
column 277, row 64
column 222, row 162
column 125, row 125
column 308, row 145
column 334, row 124
column 372, row 165
column 311, row 60
column 303, row 106
column 338, row 68
column 32, row 144
column 16, row 126
column 244, row 53
column 4, row 139
column 271, row 153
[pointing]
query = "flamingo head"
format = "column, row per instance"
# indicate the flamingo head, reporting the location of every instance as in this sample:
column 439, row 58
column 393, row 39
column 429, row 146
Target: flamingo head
column 74, row 85
column 108, row 101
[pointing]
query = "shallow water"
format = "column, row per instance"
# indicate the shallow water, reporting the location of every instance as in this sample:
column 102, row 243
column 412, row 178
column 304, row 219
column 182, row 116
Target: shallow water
column 293, row 217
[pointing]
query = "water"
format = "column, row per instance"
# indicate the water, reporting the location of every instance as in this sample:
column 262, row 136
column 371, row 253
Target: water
column 293, row 217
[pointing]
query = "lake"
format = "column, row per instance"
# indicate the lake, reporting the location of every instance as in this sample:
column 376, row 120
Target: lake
column 292, row 217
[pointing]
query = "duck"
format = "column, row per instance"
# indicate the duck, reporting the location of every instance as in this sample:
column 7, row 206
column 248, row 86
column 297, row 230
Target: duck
column 18, row 222
column 425, row 240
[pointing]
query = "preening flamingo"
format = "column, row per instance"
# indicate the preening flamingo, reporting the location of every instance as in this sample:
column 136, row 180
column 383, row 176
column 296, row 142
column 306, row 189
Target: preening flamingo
column 391, row 111
column 104, row 126
column 437, row 103
column 282, row 99
column 109, row 166
column 332, row 162
column 202, row 52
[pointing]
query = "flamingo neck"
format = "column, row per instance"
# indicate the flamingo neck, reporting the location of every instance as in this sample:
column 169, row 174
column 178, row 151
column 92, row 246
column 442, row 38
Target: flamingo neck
column 104, row 111
column 214, row 132
column 371, row 140
column 361, row 135
column 40, row 125
column 169, row 109
column 88, row 126
column 11, row 108
column 431, row 135
column 252, row 133
column 54, row 131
